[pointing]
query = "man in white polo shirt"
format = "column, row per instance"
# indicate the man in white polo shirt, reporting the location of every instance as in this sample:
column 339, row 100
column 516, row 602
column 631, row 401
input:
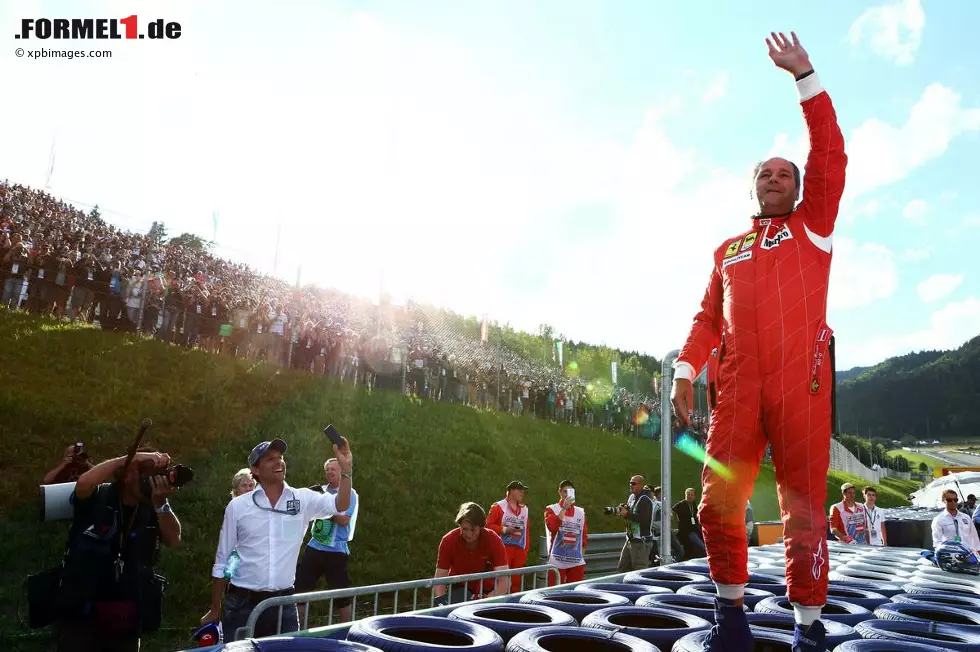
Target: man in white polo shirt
column 954, row 525
column 264, row 529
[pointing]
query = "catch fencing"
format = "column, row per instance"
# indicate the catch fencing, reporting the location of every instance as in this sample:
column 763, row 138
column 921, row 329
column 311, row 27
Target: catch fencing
column 843, row 460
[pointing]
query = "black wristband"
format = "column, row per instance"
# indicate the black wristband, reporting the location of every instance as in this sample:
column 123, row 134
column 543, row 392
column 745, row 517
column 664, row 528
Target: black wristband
column 804, row 75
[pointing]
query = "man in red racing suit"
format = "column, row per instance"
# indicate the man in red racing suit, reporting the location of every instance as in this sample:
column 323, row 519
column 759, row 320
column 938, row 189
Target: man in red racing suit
column 763, row 333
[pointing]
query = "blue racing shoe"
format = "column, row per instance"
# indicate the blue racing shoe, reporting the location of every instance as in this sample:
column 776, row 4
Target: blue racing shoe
column 731, row 631
column 810, row 639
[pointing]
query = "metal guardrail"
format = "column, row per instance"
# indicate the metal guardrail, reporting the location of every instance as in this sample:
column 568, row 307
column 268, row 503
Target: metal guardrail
column 377, row 589
column 666, row 444
column 601, row 555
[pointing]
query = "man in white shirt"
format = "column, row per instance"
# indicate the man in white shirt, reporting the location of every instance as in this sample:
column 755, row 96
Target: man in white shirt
column 954, row 525
column 876, row 530
column 265, row 529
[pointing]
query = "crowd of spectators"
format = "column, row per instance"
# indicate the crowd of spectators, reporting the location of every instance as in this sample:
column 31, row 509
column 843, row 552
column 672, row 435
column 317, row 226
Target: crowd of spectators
column 60, row 261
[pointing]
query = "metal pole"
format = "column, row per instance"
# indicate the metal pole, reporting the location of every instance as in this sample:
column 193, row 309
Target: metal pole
column 666, row 442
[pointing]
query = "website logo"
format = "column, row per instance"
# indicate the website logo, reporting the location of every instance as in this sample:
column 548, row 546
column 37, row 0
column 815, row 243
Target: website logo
column 97, row 29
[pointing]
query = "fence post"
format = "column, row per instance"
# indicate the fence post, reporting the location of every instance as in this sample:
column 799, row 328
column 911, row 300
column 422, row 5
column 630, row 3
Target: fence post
column 666, row 442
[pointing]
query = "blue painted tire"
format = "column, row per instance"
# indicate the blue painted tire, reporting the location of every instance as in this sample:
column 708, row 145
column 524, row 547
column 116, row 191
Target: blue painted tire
column 419, row 633
column 751, row 597
column 296, row 644
column 543, row 639
column 665, row 577
column 783, row 641
column 839, row 610
column 878, row 645
column 869, row 599
column 912, row 631
column 837, row 632
column 631, row 592
column 962, row 601
column 662, row 627
column 509, row 620
column 577, row 604
column 940, row 614
column 697, row 605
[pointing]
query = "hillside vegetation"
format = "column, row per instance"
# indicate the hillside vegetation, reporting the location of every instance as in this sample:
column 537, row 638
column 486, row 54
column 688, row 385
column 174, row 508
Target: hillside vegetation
column 927, row 395
column 414, row 461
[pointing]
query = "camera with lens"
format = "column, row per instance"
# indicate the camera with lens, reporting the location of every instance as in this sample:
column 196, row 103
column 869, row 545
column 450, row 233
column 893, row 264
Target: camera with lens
column 178, row 475
column 613, row 511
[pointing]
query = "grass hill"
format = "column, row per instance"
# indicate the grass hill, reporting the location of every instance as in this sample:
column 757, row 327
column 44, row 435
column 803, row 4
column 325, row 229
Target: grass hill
column 927, row 395
column 414, row 461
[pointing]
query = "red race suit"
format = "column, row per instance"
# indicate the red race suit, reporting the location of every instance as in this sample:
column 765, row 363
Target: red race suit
column 762, row 330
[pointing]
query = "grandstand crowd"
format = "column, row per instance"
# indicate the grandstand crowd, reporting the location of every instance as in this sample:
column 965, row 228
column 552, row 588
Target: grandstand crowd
column 59, row 261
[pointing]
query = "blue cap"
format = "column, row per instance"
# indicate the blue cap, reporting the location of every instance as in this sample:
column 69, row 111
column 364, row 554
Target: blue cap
column 263, row 448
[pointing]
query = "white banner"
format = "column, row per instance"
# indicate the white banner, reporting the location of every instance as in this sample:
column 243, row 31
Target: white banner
column 614, row 372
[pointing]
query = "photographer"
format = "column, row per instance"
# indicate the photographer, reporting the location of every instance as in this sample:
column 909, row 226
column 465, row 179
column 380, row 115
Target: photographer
column 109, row 595
column 638, row 512
column 73, row 464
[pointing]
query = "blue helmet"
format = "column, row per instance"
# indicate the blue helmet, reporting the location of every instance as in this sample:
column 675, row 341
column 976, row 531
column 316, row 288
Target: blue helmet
column 954, row 557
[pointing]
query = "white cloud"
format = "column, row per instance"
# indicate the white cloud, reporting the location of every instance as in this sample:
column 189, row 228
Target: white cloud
column 949, row 328
column 918, row 254
column 880, row 154
column 716, row 89
column 860, row 274
column 938, row 286
column 915, row 211
column 892, row 31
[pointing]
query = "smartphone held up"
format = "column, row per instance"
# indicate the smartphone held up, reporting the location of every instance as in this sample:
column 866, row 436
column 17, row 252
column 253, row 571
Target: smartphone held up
column 334, row 436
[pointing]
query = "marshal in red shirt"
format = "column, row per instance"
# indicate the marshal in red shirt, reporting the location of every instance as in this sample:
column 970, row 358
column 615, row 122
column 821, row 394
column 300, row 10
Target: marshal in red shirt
column 455, row 557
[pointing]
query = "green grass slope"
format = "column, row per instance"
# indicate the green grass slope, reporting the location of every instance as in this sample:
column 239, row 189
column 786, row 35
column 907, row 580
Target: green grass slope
column 414, row 462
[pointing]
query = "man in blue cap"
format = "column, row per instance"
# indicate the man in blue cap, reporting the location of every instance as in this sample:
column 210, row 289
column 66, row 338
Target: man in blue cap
column 264, row 529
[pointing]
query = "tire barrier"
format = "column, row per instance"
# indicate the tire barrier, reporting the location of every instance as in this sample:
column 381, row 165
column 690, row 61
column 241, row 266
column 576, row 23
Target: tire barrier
column 837, row 632
column 843, row 573
column 870, row 600
column 549, row 639
column 662, row 627
column 771, row 640
column 920, row 585
column 917, row 631
column 951, row 599
column 891, row 570
column 666, row 577
column 842, row 612
column 629, row 591
column 932, row 613
column 865, row 645
column 420, row 633
column 296, row 644
column 934, row 574
column 750, row 599
column 887, row 589
column 577, row 604
column 696, row 605
column 508, row 620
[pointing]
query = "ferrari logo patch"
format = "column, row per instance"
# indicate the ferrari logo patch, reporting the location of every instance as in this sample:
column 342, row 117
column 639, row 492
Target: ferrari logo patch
column 733, row 248
column 749, row 240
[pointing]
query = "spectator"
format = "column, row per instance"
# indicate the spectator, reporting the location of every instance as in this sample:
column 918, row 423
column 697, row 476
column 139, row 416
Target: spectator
column 638, row 513
column 848, row 520
column 242, row 482
column 109, row 596
column 568, row 536
column 688, row 525
column 470, row 548
column 328, row 551
column 265, row 527
column 509, row 519
column 73, row 464
column 954, row 525
column 751, row 533
column 876, row 525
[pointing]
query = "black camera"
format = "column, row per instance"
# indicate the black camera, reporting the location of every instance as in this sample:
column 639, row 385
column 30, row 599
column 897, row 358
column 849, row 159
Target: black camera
column 612, row 511
column 178, row 475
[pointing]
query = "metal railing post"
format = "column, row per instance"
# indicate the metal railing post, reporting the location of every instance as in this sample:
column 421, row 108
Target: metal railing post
column 666, row 443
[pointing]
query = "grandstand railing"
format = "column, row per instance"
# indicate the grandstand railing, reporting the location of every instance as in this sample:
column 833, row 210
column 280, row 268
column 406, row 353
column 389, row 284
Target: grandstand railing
column 378, row 589
column 666, row 447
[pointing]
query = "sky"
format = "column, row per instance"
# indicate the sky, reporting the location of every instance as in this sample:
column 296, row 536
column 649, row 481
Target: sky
column 565, row 162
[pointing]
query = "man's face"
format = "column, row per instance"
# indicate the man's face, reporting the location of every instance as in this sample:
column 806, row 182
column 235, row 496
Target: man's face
column 689, row 495
column 516, row 495
column 332, row 472
column 271, row 467
column 775, row 186
column 636, row 485
column 849, row 494
column 870, row 497
column 951, row 500
column 469, row 532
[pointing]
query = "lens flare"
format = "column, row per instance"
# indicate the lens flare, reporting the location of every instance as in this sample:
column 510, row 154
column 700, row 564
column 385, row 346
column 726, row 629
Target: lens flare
column 686, row 444
column 573, row 366
column 642, row 416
